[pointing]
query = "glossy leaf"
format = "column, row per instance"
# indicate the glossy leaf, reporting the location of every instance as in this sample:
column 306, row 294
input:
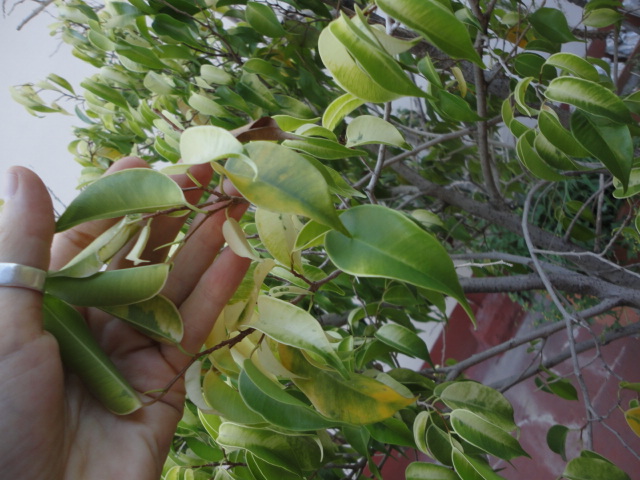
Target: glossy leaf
column 558, row 136
column 338, row 109
column 295, row 453
column 263, row 20
column 436, row 23
column 429, row 471
column 81, row 354
column 534, row 162
column 590, row 97
column 311, row 235
column 322, row 148
column 367, row 129
column 137, row 190
column 384, row 243
column 586, row 468
column 376, row 62
column 602, row 17
column 157, row 317
column 278, row 407
column 285, row 183
column 403, row 340
column 611, row 144
column 357, row 399
column 290, row 325
column 481, row 400
column 440, row 444
column 226, row 400
column 485, row 435
column 347, row 73
column 392, row 431
column 471, row 468
column 575, row 65
column 113, row 287
column 552, row 24
column 205, row 144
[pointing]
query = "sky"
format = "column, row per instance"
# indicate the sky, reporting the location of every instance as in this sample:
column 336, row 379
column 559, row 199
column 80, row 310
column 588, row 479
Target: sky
column 27, row 56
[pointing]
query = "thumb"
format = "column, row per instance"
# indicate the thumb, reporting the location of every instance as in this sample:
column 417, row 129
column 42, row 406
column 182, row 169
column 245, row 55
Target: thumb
column 26, row 231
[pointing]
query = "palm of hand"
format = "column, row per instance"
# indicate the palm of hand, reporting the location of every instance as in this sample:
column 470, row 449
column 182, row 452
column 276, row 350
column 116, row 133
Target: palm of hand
column 52, row 427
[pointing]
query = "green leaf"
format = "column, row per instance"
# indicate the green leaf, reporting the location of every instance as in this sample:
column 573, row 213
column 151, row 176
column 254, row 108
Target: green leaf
column 285, row 183
column 215, row 75
column 611, row 144
column 101, row 250
column 392, row 431
column 552, row 25
column 551, row 155
column 456, row 108
column 347, row 73
column 436, row 23
column 403, row 340
column 81, row 354
column 384, row 243
column 140, row 55
column 204, row 144
column 371, row 58
column 559, row 137
column 575, row 65
column 137, row 190
column 602, row 17
column 290, row 325
column 586, row 468
column 534, row 162
column 263, row 20
column 105, row 92
column 556, row 439
column 322, row 148
column 338, row 109
column 278, row 233
column 429, row 471
column 485, row 435
column 157, row 317
column 519, row 94
column 311, row 235
column 367, row 129
column 226, row 400
column 471, row 468
column 288, row 123
column 278, row 407
column 590, row 97
column 113, row 287
column 357, row 399
column 440, row 444
column 481, row 400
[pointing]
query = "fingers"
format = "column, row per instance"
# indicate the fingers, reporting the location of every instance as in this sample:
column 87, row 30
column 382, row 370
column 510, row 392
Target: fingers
column 212, row 292
column 69, row 243
column 26, row 230
column 200, row 250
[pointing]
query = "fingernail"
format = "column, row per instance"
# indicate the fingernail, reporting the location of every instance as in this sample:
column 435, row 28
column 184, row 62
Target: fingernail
column 10, row 185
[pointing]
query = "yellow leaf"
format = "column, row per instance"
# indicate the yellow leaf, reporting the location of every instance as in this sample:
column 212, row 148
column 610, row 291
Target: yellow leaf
column 632, row 416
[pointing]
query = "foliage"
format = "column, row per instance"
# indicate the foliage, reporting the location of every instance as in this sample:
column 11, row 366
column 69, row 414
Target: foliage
column 373, row 141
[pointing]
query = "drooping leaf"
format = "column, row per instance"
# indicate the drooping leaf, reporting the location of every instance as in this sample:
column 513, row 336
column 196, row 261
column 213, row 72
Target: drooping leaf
column 113, row 287
column 429, row 471
column 137, row 190
column 454, row 107
column 157, row 317
column 481, row 400
column 277, row 406
column 556, row 440
column 532, row 161
column 632, row 416
column 472, row 468
column 440, row 444
column 356, row 399
column 290, row 325
column 367, row 129
column 384, row 243
column 485, row 435
column 311, row 235
column 338, row 109
column 436, row 23
column 81, row 353
column 611, row 144
column 295, row 453
column 392, row 431
column 285, row 183
column 322, row 148
column 589, row 96
column 557, row 135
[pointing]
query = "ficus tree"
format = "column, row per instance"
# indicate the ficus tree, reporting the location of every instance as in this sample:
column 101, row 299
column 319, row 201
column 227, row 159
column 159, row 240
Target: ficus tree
column 376, row 142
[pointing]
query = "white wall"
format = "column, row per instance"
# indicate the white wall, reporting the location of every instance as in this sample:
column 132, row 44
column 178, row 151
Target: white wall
column 27, row 56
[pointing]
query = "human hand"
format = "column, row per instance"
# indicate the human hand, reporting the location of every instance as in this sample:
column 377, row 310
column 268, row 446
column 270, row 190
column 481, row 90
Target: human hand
column 52, row 428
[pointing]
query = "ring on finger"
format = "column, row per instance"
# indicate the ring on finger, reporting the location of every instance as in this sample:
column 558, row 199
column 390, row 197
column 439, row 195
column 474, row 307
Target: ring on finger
column 22, row 276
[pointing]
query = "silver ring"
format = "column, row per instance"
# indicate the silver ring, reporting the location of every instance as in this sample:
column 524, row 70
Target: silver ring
column 22, row 276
